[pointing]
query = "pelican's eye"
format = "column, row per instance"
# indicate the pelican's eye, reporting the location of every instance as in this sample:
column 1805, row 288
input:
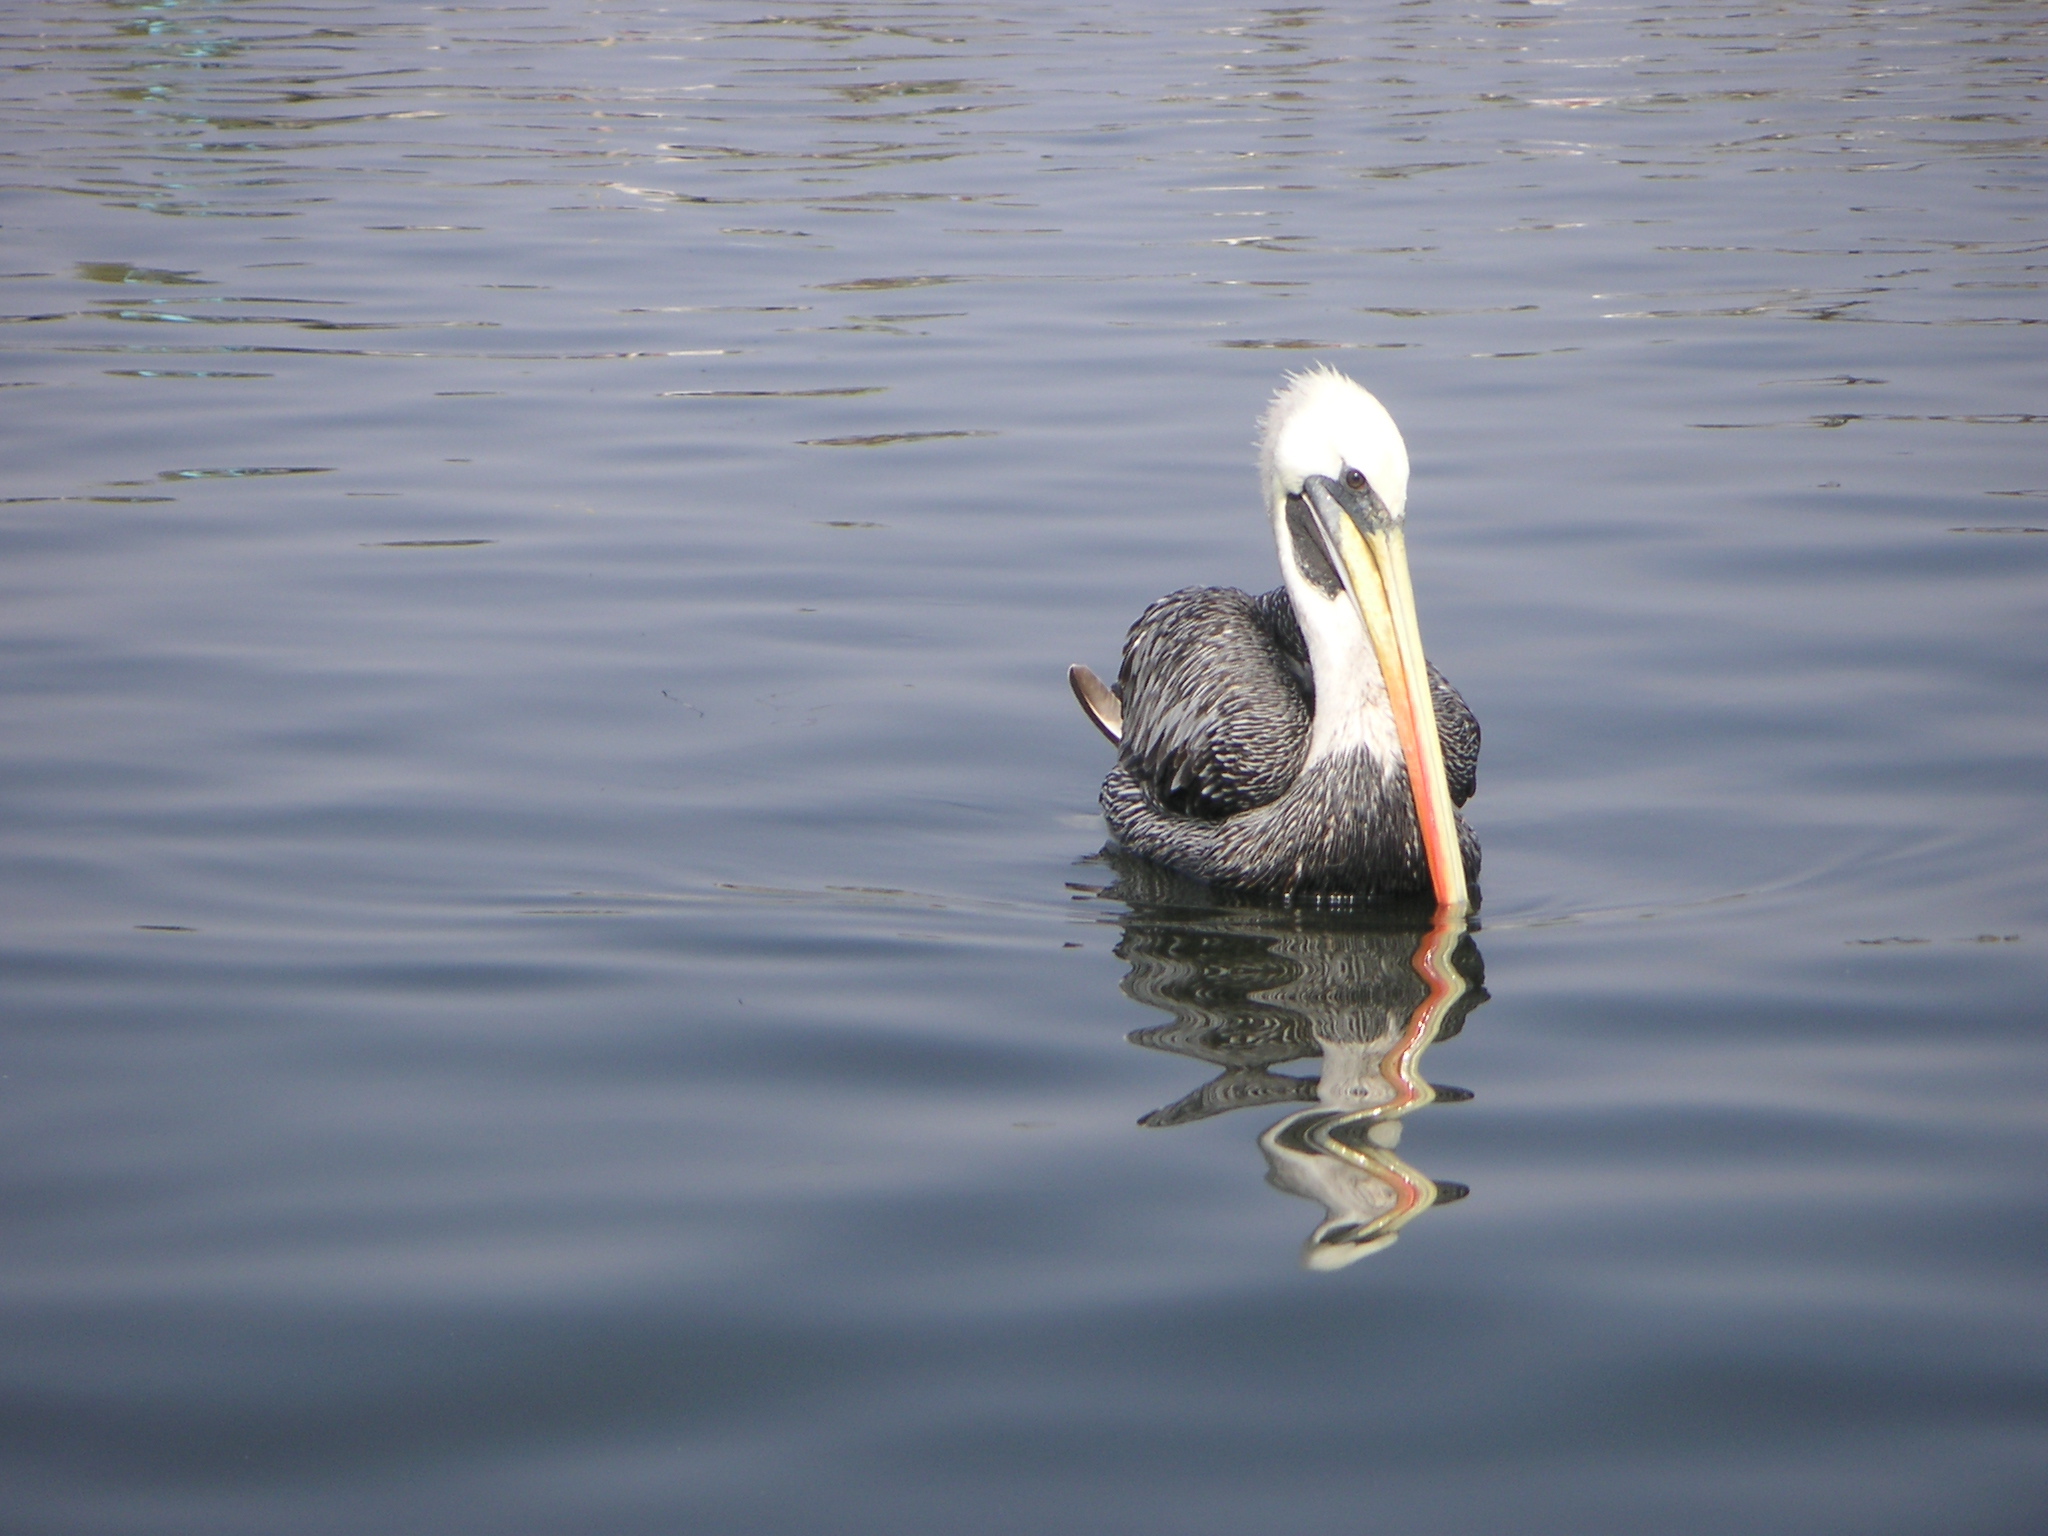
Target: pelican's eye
column 1354, row 480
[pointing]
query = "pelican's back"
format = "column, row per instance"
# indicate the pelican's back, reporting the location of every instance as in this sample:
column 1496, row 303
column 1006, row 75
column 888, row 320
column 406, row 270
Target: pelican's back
column 1216, row 710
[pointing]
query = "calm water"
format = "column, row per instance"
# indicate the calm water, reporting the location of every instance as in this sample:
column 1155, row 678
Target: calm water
column 558, row 973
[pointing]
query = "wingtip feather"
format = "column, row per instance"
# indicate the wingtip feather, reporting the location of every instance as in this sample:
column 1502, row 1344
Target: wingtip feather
column 1098, row 703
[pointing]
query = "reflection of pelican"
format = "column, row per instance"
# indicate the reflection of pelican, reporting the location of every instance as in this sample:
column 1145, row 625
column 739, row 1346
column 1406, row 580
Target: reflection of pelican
column 1252, row 989
column 1262, row 742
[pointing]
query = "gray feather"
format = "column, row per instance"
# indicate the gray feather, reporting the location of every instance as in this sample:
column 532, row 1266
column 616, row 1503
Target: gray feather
column 1216, row 721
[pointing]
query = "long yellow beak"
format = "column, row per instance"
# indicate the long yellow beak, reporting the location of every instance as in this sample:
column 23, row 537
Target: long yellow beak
column 1376, row 564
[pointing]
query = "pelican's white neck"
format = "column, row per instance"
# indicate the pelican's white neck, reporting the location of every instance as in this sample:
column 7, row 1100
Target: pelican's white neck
column 1352, row 710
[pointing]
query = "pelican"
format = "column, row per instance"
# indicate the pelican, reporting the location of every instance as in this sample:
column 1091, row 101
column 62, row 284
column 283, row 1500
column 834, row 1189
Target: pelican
column 1297, row 745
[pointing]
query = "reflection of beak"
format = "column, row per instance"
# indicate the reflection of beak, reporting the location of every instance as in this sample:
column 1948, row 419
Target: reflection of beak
column 1373, row 555
column 1368, row 1193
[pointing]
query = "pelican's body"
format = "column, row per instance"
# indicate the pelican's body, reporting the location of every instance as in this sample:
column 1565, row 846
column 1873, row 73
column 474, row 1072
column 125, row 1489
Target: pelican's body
column 1297, row 744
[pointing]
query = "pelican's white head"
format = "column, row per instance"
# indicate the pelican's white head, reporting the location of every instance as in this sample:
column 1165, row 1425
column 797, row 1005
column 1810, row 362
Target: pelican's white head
column 1320, row 423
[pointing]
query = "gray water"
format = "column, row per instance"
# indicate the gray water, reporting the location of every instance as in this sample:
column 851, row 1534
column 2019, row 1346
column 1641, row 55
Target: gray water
column 558, row 971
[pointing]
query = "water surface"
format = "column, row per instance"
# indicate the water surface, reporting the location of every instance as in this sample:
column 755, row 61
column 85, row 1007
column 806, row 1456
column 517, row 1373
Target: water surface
column 559, row 975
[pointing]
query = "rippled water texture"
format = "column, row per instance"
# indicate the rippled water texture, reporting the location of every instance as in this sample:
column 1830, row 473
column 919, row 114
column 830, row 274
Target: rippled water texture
column 558, row 974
